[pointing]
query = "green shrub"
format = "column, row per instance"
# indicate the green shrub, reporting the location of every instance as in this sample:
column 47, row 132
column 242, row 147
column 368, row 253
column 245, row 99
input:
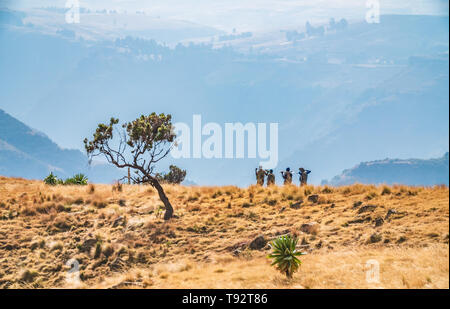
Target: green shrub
column 51, row 180
column 78, row 179
column 284, row 255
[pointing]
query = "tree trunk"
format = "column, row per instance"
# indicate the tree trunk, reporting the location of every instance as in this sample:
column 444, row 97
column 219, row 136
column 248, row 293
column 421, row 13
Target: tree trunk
column 162, row 196
column 288, row 274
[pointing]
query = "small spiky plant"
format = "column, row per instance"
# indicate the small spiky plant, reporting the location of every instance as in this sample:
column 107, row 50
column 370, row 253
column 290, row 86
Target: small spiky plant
column 284, row 255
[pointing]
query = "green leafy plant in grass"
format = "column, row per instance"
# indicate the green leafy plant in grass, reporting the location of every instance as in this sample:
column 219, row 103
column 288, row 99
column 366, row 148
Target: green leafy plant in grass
column 51, row 180
column 285, row 255
column 78, row 179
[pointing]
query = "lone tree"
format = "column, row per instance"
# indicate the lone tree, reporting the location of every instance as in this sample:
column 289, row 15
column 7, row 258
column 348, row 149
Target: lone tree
column 140, row 144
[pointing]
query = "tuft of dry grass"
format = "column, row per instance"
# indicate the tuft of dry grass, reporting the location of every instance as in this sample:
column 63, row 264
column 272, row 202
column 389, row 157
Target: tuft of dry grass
column 118, row 236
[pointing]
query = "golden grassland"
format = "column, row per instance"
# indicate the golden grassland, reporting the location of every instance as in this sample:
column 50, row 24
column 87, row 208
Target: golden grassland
column 118, row 236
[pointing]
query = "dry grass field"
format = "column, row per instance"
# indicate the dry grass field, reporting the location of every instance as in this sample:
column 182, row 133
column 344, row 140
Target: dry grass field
column 119, row 239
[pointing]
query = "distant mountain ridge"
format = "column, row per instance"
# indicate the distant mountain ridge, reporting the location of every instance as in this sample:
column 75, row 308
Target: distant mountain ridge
column 27, row 153
column 375, row 91
column 396, row 171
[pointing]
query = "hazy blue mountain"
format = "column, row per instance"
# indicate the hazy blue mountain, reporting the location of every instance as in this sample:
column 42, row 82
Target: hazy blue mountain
column 396, row 171
column 28, row 153
column 358, row 94
column 404, row 115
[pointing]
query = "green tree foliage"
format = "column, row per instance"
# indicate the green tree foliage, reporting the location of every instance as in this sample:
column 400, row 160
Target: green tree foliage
column 139, row 145
column 175, row 175
column 284, row 255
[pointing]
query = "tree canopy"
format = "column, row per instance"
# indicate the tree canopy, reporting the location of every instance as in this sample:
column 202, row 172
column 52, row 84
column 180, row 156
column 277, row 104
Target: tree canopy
column 138, row 145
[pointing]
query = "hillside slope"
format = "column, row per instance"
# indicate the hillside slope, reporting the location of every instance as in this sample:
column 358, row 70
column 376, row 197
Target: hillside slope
column 25, row 152
column 119, row 239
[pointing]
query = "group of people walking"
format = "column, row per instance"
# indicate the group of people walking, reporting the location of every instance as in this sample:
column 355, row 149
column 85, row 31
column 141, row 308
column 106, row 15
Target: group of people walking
column 261, row 174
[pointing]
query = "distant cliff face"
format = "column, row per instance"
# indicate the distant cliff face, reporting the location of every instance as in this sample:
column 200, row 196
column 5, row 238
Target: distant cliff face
column 396, row 171
column 27, row 153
